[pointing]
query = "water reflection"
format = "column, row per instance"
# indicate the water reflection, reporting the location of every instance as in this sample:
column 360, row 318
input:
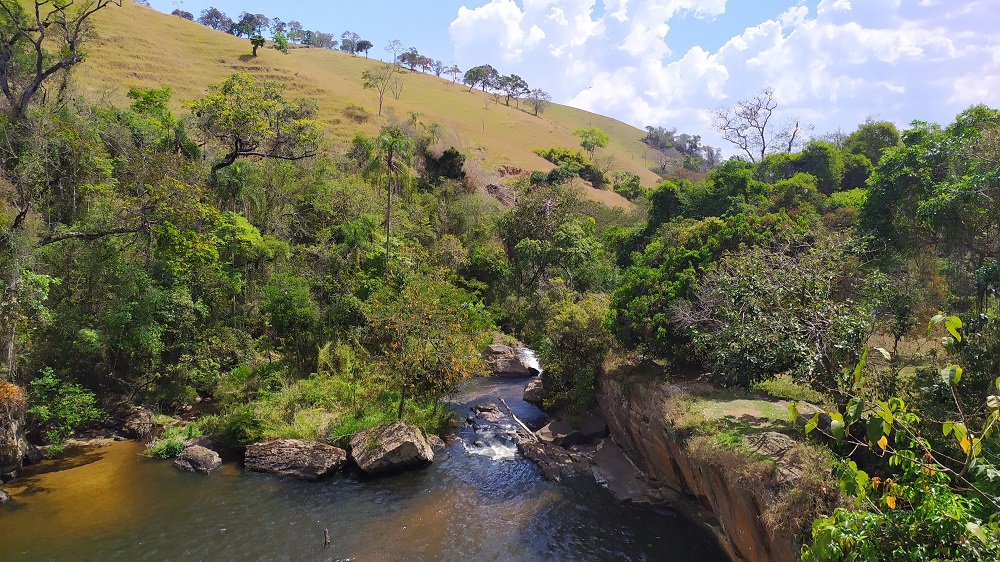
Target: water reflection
column 112, row 504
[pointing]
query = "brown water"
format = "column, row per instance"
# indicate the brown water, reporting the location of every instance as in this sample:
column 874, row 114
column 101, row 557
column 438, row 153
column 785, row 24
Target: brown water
column 110, row 503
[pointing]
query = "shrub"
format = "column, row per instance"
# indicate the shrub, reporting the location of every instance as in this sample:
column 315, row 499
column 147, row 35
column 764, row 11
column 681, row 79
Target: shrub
column 60, row 406
column 171, row 442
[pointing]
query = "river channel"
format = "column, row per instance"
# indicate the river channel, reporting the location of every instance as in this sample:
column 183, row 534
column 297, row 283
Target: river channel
column 475, row 502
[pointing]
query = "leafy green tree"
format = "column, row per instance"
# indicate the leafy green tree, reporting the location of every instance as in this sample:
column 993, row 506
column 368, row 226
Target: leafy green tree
column 823, row 161
column 390, row 152
column 513, row 86
column 872, row 139
column 251, row 118
column 363, row 46
column 60, row 407
column 428, row 333
column 577, row 342
column 257, row 41
column 280, row 42
column 216, row 19
column 591, row 139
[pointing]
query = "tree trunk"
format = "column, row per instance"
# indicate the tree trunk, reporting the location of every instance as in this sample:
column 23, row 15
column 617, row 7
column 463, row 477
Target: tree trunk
column 388, row 212
column 402, row 399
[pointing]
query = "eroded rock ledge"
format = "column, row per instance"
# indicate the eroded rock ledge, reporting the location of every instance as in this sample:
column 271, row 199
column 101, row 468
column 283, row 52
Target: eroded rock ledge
column 636, row 411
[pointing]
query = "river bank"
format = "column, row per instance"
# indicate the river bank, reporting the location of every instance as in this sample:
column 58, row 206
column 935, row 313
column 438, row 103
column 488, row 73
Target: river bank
column 111, row 503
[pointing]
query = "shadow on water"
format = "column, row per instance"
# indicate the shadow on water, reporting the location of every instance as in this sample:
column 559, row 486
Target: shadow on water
column 113, row 504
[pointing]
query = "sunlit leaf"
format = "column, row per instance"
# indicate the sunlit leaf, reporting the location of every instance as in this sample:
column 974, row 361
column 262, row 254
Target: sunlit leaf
column 954, row 324
column 890, row 501
column 977, row 531
column 993, row 402
column 885, row 353
column 883, row 442
column 965, row 444
column 813, row 423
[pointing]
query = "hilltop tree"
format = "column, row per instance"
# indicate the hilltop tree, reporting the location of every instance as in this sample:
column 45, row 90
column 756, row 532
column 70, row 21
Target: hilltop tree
column 484, row 76
column 513, row 86
column 438, row 67
column 250, row 25
column 295, row 31
column 324, row 40
column 35, row 47
column 746, row 124
column 216, row 19
column 379, row 78
column 349, row 42
column 363, row 46
column 182, row 14
column 394, row 48
column 591, row 139
column 251, row 118
column 278, row 26
column 454, row 72
column 539, row 98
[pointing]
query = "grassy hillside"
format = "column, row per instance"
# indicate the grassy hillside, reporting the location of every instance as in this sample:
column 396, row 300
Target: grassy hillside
column 138, row 46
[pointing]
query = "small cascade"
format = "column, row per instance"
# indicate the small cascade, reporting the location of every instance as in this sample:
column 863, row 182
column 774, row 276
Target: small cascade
column 528, row 357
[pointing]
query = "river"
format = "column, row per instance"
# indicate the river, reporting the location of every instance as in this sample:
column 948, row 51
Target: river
column 475, row 502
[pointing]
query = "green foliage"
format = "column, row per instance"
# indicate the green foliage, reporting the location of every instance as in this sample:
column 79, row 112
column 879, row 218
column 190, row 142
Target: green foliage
column 172, row 441
column 280, row 42
column 576, row 343
column 592, row 138
column 60, row 407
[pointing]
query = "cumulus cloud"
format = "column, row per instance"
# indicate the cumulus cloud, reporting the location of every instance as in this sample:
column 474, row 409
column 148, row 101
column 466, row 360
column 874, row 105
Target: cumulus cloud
column 836, row 61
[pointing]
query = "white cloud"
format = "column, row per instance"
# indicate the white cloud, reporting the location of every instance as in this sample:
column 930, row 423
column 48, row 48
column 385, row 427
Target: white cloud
column 834, row 60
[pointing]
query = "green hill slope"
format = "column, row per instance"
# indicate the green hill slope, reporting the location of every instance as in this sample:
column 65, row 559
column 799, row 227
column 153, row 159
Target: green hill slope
column 138, row 46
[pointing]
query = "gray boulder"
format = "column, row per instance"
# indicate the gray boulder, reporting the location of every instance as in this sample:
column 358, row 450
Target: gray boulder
column 504, row 361
column 138, row 422
column 390, row 448
column 196, row 458
column 534, row 392
column 561, row 433
column 307, row 460
column 201, row 441
column 4, row 498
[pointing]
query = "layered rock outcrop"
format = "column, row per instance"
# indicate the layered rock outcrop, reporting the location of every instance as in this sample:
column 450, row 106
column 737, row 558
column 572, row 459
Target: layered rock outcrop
column 635, row 410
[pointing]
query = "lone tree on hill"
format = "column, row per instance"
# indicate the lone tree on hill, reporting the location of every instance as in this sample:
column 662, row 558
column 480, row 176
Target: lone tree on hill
column 363, row 46
column 257, row 41
column 250, row 118
column 379, row 78
column 38, row 45
column 182, row 14
column 394, row 47
column 591, row 139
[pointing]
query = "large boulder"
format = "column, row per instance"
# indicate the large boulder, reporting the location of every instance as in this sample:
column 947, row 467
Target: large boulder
column 390, row 448
column 307, row 460
column 534, row 392
column 4, row 498
column 506, row 361
column 561, row 433
column 196, row 458
column 138, row 422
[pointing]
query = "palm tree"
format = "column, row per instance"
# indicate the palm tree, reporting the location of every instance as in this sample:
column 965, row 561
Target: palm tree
column 391, row 152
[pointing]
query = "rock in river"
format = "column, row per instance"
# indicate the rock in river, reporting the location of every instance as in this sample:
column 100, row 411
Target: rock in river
column 505, row 361
column 561, row 433
column 196, row 458
column 138, row 422
column 390, row 448
column 534, row 392
column 4, row 498
column 307, row 460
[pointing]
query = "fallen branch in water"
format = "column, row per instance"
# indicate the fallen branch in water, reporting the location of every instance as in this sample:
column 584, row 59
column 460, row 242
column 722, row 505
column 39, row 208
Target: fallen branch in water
column 519, row 422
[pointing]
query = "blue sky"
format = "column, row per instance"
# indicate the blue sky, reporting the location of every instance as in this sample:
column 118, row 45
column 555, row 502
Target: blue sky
column 832, row 63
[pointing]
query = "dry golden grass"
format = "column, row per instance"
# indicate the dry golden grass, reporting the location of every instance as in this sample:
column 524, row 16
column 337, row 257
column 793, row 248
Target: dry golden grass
column 138, row 46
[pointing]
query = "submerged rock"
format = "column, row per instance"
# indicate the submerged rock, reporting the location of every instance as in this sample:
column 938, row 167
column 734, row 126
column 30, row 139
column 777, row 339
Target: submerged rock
column 437, row 444
column 505, row 361
column 138, row 422
column 534, row 392
column 196, row 458
column 391, row 448
column 307, row 460
column 489, row 411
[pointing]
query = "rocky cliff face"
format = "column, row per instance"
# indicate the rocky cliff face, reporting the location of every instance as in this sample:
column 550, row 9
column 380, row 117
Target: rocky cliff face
column 636, row 413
